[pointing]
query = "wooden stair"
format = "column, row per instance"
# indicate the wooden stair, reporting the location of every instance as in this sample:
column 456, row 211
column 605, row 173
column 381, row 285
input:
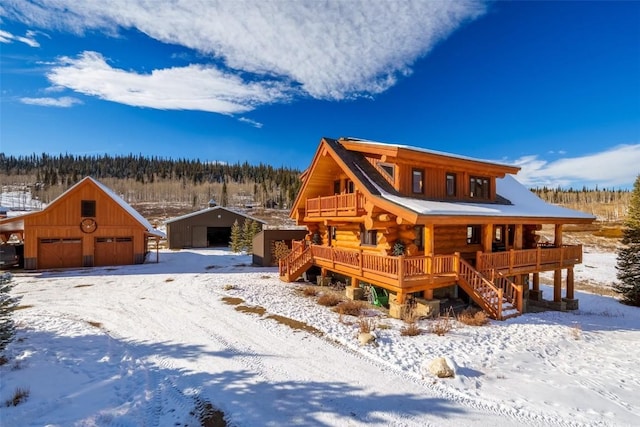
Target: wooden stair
column 294, row 264
column 493, row 299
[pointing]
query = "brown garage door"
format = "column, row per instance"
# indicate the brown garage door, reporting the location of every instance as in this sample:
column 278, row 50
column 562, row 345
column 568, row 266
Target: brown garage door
column 114, row 251
column 59, row 253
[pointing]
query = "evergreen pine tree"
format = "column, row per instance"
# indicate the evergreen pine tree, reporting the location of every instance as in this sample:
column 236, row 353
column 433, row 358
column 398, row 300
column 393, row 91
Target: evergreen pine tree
column 628, row 264
column 224, row 198
column 236, row 237
column 7, row 305
column 247, row 237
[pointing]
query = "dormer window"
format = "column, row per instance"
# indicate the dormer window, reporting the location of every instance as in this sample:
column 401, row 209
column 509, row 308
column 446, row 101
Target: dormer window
column 389, row 169
column 479, row 187
column 417, row 181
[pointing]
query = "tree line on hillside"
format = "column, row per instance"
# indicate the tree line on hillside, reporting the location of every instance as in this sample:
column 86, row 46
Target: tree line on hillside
column 187, row 180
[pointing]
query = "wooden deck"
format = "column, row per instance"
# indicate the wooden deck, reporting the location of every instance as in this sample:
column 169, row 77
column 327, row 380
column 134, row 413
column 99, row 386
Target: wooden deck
column 487, row 283
column 543, row 258
column 351, row 204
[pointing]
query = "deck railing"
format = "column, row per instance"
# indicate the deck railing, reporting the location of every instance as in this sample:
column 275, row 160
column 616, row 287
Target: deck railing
column 399, row 269
column 351, row 204
column 530, row 260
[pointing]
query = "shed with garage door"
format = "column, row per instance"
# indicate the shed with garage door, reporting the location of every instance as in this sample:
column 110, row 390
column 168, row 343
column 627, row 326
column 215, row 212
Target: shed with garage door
column 210, row 227
column 88, row 225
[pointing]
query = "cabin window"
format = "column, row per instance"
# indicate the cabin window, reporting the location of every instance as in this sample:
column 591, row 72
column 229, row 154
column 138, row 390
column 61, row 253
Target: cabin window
column 331, row 231
column 451, row 184
column 474, row 233
column 368, row 237
column 388, row 168
column 417, row 181
column 336, row 187
column 88, row 208
column 419, row 240
column 497, row 237
column 349, row 187
column 479, row 187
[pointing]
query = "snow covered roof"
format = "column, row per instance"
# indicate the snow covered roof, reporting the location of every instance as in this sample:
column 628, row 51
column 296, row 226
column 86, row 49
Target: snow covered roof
column 126, row 206
column 522, row 203
column 426, row 151
column 210, row 209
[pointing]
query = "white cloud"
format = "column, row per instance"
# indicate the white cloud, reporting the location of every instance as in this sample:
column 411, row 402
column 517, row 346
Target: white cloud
column 28, row 39
column 327, row 50
column 251, row 122
column 194, row 87
column 613, row 168
column 65, row 101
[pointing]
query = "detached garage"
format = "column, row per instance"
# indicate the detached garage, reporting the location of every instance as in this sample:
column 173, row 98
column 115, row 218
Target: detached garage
column 205, row 228
column 88, row 225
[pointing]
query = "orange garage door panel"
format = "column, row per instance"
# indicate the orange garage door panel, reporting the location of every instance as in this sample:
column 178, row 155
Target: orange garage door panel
column 113, row 251
column 59, row 253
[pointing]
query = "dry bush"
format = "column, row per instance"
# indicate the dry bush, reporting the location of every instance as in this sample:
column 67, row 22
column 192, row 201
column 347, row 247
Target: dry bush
column 384, row 326
column 228, row 287
column 3, row 360
column 309, row 291
column 410, row 330
column 350, row 308
column 329, row 299
column 576, row 331
column 19, row 396
column 473, row 317
column 169, row 279
column 367, row 324
column 442, row 324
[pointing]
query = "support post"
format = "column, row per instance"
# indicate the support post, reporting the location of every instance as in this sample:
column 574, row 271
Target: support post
column 557, row 285
column 427, row 294
column 570, row 280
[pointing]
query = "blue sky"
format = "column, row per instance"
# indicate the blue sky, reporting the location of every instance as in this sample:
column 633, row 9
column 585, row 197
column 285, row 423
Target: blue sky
column 553, row 87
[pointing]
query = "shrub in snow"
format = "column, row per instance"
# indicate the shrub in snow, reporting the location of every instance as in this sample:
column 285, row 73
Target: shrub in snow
column 628, row 264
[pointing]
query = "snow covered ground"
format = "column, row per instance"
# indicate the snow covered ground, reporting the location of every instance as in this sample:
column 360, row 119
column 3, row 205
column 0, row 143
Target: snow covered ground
column 145, row 345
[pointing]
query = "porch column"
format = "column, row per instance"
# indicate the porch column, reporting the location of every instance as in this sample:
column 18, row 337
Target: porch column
column 428, row 294
column 557, row 240
column 428, row 238
column 517, row 238
column 487, row 237
column 557, row 285
column 570, row 283
column 535, row 293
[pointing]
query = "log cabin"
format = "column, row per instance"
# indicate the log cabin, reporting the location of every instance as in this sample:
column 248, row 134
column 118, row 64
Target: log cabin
column 87, row 225
column 426, row 225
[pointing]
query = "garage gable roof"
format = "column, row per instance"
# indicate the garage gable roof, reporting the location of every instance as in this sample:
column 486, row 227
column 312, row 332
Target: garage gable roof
column 207, row 210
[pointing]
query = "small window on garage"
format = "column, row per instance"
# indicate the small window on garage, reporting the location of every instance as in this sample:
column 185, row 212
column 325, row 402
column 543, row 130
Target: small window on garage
column 88, row 208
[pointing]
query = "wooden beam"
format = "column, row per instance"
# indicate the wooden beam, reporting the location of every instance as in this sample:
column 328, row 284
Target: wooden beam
column 570, row 280
column 517, row 239
column 487, row 237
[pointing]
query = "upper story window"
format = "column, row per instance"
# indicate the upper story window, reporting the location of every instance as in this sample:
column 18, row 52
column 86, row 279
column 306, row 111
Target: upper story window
column 336, row 186
column 88, row 208
column 368, row 237
column 349, row 186
column 479, row 187
column 451, row 184
column 417, row 181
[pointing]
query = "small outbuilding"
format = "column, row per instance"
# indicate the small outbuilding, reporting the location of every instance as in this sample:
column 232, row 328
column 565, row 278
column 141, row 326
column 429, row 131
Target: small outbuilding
column 205, row 228
column 87, row 225
column 265, row 244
